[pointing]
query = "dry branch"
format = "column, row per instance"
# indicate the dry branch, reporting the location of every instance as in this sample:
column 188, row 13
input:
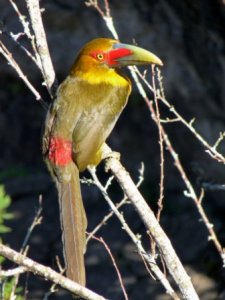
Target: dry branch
column 48, row 273
column 12, row 272
column 27, row 32
column 212, row 150
column 11, row 61
column 101, row 240
column 41, row 44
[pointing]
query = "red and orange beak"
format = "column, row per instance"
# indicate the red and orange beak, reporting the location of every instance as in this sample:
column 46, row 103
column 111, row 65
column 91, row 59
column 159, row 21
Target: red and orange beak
column 129, row 55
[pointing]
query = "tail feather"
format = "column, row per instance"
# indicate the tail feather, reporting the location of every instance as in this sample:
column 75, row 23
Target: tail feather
column 74, row 224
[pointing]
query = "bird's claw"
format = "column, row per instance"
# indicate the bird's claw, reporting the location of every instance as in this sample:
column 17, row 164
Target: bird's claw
column 112, row 154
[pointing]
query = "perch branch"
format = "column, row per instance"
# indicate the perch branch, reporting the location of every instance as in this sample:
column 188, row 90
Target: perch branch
column 173, row 263
column 135, row 239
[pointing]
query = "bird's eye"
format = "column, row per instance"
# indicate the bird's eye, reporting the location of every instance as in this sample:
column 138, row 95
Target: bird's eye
column 100, row 56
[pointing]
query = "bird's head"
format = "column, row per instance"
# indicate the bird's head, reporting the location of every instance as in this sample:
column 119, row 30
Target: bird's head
column 109, row 53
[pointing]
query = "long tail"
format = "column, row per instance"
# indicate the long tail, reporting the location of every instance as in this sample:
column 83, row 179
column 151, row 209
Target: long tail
column 73, row 224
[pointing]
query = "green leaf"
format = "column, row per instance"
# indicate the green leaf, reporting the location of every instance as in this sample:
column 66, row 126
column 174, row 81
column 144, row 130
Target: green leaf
column 4, row 229
column 9, row 284
column 7, row 216
column 4, row 201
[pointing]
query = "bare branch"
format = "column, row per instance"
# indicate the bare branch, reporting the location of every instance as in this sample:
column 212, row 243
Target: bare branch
column 48, row 274
column 12, row 272
column 27, row 31
column 36, row 221
column 160, row 129
column 41, row 44
column 212, row 150
column 8, row 56
column 15, row 38
column 24, row 249
column 219, row 140
column 118, row 205
column 168, row 120
column 101, row 240
column 106, row 16
column 191, row 192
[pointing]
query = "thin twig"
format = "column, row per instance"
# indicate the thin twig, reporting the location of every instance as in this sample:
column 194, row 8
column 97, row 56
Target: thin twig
column 36, row 221
column 53, row 289
column 12, row 272
column 8, row 56
column 24, row 247
column 27, row 32
column 212, row 150
column 161, row 147
column 101, row 240
column 197, row 200
column 106, row 15
column 168, row 120
column 191, row 192
column 15, row 39
column 118, row 205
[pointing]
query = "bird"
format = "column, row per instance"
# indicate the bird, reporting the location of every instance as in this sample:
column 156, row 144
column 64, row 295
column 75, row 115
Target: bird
column 85, row 110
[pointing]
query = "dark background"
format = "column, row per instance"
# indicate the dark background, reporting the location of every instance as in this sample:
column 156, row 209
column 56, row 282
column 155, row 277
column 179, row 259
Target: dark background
column 189, row 37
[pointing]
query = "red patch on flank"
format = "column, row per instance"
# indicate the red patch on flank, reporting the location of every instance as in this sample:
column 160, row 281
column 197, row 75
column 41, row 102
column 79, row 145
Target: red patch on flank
column 113, row 55
column 60, row 151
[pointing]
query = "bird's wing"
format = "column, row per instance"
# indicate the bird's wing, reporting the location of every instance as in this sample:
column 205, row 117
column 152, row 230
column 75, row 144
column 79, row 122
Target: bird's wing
column 103, row 105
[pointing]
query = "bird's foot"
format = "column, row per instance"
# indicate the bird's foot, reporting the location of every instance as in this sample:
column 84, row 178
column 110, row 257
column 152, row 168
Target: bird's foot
column 107, row 153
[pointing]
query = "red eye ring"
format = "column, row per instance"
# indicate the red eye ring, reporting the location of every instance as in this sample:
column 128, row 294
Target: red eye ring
column 98, row 55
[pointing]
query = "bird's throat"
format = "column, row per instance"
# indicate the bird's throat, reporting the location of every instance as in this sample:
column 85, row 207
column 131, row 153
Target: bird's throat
column 102, row 75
